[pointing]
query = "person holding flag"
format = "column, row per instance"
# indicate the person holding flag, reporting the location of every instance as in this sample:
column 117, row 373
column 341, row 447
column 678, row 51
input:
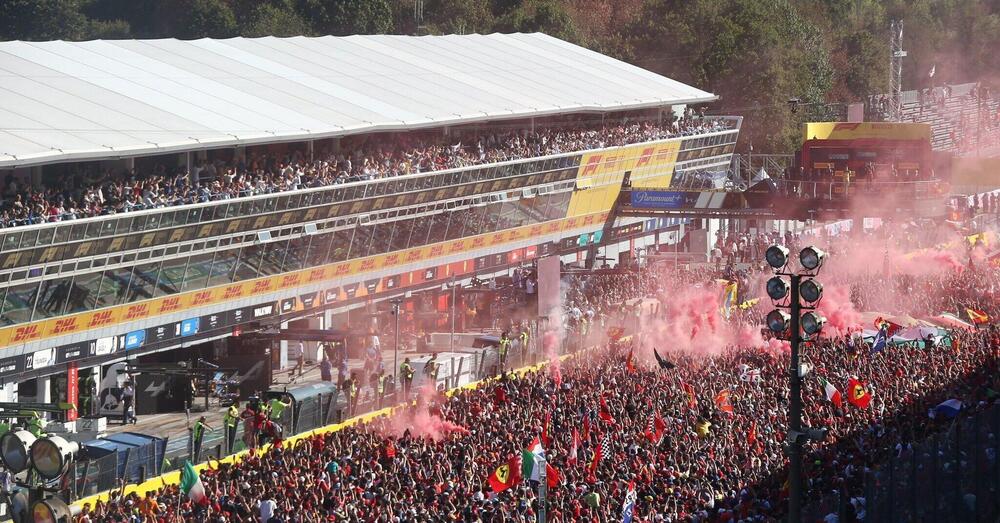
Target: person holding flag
column 831, row 392
column 571, row 457
column 655, row 428
column 506, row 475
column 878, row 344
column 857, row 394
column 191, row 485
column 977, row 316
column 628, row 508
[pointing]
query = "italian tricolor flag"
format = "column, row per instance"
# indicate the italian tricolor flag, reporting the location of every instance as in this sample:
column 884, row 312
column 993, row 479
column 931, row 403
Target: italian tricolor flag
column 832, row 394
column 531, row 459
column 191, row 484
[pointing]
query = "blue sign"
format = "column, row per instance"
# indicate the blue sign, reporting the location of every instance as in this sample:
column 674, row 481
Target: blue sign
column 135, row 339
column 189, row 327
column 664, row 199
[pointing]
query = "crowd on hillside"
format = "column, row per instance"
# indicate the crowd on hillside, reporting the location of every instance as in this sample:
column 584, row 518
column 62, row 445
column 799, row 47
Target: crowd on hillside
column 88, row 193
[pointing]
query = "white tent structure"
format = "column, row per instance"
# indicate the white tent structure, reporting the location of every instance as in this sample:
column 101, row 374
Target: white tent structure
column 62, row 101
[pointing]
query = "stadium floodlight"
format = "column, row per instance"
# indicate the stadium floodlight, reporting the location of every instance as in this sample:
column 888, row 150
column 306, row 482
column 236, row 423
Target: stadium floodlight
column 52, row 510
column 811, row 258
column 812, row 323
column 778, row 320
column 14, row 449
column 811, row 291
column 777, row 288
column 776, row 256
column 50, row 456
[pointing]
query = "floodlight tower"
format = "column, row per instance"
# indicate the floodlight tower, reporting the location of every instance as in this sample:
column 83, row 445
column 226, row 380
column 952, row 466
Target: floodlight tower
column 802, row 291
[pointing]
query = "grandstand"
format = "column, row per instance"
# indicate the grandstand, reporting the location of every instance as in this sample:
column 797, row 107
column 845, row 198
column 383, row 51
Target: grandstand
column 162, row 194
column 951, row 110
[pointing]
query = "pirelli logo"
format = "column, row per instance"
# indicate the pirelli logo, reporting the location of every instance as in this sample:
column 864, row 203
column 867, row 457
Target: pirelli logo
column 290, row 280
column 592, row 164
column 26, row 333
column 100, row 318
column 170, row 304
column 262, row 286
column 137, row 311
column 201, row 298
column 65, row 326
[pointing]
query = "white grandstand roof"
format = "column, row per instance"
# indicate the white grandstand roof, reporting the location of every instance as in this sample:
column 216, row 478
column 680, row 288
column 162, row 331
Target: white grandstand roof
column 64, row 101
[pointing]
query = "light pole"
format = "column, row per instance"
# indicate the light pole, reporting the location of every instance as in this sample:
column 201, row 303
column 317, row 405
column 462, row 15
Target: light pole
column 396, row 302
column 790, row 296
column 451, row 341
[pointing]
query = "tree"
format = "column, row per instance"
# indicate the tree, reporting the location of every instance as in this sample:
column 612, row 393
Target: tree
column 545, row 16
column 200, row 19
column 274, row 18
column 42, row 20
column 458, row 16
column 346, row 17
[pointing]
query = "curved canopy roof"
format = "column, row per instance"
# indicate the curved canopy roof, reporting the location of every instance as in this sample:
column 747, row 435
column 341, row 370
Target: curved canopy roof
column 64, row 101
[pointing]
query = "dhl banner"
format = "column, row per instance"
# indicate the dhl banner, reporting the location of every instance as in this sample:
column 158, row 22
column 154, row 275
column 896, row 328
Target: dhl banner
column 601, row 173
column 867, row 130
column 29, row 332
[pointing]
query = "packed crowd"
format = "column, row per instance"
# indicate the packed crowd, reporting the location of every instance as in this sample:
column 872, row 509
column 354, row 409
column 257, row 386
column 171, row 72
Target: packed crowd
column 88, row 193
column 700, row 437
column 708, row 465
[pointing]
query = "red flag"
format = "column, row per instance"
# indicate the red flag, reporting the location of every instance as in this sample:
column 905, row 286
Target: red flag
column 692, row 400
column 546, row 441
column 891, row 328
column 655, row 428
column 599, row 451
column 722, row 401
column 629, row 363
column 552, row 477
column 857, row 394
column 605, row 413
column 586, row 427
column 507, row 475
column 571, row 457
column 977, row 316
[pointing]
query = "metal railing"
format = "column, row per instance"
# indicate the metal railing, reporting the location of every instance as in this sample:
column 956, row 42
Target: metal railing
column 953, row 476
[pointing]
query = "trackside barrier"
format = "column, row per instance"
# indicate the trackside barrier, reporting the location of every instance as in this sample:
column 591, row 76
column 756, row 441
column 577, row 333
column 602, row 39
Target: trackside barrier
column 213, row 439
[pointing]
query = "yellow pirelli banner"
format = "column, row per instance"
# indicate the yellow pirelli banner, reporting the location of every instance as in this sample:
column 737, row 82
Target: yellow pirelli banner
column 601, row 173
column 867, row 131
column 35, row 331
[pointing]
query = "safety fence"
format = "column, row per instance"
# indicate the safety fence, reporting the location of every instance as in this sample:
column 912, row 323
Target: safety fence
column 953, row 476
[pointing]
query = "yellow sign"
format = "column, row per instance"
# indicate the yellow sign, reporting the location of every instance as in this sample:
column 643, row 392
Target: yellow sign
column 867, row 130
column 28, row 332
column 600, row 175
